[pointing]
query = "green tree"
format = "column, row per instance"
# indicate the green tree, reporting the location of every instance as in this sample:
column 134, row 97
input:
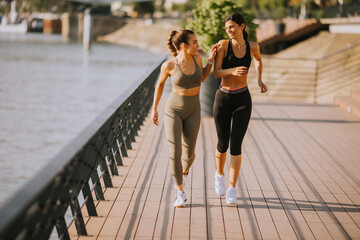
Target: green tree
column 38, row 5
column 208, row 22
column 144, row 7
column 275, row 9
column 252, row 4
column 184, row 7
column 48, row 6
column 272, row 4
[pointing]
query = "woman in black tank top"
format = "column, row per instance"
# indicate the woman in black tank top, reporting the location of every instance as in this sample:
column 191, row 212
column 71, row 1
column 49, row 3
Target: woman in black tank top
column 232, row 105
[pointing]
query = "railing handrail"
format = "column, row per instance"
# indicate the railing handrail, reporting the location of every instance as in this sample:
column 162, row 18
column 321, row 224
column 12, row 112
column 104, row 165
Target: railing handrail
column 25, row 198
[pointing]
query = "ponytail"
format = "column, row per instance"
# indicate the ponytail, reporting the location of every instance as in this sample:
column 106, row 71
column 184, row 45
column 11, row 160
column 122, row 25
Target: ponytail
column 245, row 35
column 176, row 38
column 170, row 43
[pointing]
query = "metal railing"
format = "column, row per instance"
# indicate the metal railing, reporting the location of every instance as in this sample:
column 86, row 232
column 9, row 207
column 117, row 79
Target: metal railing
column 308, row 80
column 83, row 167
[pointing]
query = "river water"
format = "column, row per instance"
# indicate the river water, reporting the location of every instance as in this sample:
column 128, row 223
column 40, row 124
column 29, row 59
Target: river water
column 49, row 91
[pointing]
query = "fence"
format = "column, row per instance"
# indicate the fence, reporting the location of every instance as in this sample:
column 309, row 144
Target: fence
column 308, row 80
column 80, row 169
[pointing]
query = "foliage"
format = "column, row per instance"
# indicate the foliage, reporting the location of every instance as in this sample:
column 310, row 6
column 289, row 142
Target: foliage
column 246, row 3
column 272, row 4
column 38, row 5
column 144, row 7
column 4, row 9
column 184, row 7
column 161, row 7
column 208, row 22
column 54, row 6
column 276, row 9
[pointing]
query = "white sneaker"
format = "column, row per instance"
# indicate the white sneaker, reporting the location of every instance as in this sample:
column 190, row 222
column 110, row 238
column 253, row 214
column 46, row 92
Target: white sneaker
column 231, row 196
column 184, row 183
column 220, row 188
column 180, row 199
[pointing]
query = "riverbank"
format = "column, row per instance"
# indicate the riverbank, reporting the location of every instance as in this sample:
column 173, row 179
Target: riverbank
column 144, row 33
column 50, row 91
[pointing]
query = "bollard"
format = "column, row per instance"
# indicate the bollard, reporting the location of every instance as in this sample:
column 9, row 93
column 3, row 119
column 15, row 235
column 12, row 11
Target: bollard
column 87, row 29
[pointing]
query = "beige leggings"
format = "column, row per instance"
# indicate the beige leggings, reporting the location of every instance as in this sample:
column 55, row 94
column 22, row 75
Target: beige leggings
column 181, row 118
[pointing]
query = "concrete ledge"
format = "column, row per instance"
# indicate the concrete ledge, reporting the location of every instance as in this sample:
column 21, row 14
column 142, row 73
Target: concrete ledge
column 345, row 28
column 349, row 105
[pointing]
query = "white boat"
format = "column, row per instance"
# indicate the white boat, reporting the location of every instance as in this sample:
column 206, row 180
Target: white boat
column 14, row 28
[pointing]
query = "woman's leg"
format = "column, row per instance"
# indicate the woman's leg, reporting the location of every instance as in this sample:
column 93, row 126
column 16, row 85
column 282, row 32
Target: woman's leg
column 235, row 164
column 241, row 118
column 173, row 129
column 222, row 117
column 220, row 162
column 191, row 127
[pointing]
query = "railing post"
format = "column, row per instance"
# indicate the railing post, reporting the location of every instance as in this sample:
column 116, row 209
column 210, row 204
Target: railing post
column 97, row 185
column 117, row 155
column 61, row 228
column 79, row 220
column 112, row 163
column 121, row 145
column 89, row 201
column 120, row 135
column 126, row 132
column 105, row 169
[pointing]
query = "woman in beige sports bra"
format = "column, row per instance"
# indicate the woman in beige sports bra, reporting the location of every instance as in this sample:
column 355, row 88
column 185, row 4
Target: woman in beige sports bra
column 182, row 110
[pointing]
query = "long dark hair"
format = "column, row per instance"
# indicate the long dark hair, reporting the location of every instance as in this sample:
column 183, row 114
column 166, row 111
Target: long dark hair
column 239, row 19
column 176, row 38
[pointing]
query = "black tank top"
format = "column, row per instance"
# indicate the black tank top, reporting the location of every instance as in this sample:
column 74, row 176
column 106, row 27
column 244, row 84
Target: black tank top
column 231, row 61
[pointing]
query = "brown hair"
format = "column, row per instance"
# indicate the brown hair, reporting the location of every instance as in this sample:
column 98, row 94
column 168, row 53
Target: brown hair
column 239, row 19
column 176, row 38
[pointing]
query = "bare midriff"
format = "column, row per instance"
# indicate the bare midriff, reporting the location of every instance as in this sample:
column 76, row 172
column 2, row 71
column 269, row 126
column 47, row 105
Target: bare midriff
column 187, row 92
column 234, row 82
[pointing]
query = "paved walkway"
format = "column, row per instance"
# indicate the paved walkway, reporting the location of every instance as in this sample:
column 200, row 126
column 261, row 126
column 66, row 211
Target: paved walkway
column 300, row 179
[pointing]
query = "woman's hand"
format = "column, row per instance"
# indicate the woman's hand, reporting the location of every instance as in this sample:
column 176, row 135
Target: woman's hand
column 212, row 53
column 154, row 116
column 240, row 71
column 262, row 86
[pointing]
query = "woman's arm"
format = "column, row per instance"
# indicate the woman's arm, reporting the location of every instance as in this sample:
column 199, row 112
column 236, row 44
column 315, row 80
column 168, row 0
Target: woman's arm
column 207, row 68
column 218, row 71
column 255, row 51
column 164, row 74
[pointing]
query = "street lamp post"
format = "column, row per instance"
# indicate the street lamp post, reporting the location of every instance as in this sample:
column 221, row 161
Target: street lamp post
column 303, row 10
column 340, row 12
column 87, row 29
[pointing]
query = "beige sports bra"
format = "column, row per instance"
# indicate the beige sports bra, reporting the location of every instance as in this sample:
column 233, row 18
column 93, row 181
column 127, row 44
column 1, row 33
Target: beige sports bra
column 179, row 80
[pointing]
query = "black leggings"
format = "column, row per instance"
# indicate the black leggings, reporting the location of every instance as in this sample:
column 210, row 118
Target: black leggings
column 235, row 106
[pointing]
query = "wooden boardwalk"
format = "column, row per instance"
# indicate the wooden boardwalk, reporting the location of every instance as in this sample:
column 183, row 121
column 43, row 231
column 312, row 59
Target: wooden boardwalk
column 300, row 179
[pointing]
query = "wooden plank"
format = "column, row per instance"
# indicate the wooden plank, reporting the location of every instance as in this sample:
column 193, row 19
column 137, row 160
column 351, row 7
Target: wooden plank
column 289, row 187
column 216, row 228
